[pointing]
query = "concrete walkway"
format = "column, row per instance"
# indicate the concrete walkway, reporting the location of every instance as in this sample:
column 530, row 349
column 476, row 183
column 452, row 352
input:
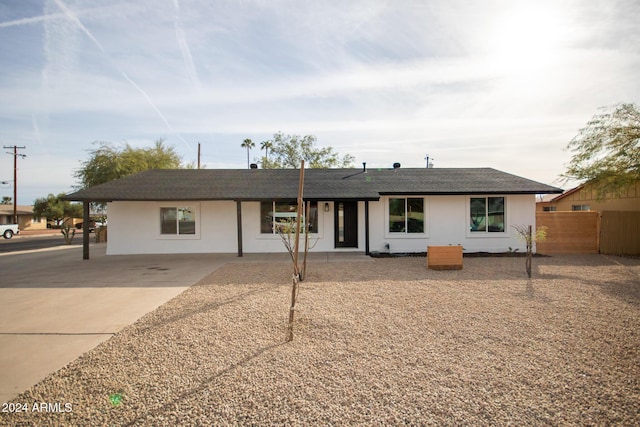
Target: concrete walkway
column 54, row 306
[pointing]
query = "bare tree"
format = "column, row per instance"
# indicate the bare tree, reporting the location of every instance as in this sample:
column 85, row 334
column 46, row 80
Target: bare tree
column 296, row 268
column 289, row 232
column 526, row 234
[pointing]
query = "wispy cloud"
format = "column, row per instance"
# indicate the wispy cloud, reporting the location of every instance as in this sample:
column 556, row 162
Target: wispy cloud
column 471, row 83
column 32, row 20
column 184, row 48
column 74, row 18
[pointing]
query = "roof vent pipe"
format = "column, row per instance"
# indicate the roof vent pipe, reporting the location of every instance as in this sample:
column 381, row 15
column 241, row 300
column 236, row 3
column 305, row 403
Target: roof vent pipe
column 253, row 166
column 364, row 166
column 396, row 165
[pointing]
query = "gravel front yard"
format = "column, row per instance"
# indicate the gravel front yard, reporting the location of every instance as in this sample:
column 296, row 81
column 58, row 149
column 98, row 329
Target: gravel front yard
column 382, row 342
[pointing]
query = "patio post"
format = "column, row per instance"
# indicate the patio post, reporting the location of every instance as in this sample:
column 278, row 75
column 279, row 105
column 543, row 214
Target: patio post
column 85, row 230
column 239, row 225
column 366, row 227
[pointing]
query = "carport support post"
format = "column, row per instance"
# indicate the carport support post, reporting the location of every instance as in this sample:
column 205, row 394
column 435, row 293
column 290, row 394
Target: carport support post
column 239, row 220
column 85, row 230
column 366, row 227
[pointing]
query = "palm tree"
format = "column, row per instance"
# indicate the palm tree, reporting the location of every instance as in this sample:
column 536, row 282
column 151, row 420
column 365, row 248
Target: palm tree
column 248, row 144
column 266, row 146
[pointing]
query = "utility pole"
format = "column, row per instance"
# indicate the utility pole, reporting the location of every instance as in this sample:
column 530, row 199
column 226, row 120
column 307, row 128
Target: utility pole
column 198, row 155
column 15, row 155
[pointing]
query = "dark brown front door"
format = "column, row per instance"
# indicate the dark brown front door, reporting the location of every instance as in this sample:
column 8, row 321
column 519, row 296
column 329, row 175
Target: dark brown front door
column 346, row 224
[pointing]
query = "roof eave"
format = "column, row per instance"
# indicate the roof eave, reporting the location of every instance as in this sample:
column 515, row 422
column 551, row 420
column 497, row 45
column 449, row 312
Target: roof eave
column 463, row 193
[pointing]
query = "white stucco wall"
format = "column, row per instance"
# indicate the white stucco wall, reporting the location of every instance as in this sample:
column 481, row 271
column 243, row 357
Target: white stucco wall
column 447, row 223
column 134, row 227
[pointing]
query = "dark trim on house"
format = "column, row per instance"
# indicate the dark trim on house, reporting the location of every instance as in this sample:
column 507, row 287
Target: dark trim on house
column 239, row 225
column 85, row 230
column 366, row 227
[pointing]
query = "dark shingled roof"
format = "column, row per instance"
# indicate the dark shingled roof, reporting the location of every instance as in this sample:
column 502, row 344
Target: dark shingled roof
column 320, row 184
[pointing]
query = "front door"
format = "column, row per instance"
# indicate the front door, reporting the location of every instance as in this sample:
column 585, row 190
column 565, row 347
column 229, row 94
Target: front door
column 346, row 224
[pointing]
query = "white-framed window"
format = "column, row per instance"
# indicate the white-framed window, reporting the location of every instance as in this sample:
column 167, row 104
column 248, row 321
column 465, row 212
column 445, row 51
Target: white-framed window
column 406, row 215
column 178, row 221
column 487, row 214
column 273, row 213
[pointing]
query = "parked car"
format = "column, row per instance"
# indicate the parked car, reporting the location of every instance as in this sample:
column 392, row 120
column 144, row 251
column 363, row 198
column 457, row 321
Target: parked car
column 92, row 226
column 8, row 230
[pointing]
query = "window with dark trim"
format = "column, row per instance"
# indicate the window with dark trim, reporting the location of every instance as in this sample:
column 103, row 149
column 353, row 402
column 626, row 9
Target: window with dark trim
column 406, row 215
column 274, row 213
column 487, row 214
column 177, row 221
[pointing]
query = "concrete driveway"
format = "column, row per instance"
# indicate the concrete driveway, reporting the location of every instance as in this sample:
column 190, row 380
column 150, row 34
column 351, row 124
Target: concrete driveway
column 54, row 306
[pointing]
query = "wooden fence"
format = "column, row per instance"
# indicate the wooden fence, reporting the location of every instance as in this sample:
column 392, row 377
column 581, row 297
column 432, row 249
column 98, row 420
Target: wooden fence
column 620, row 233
column 569, row 232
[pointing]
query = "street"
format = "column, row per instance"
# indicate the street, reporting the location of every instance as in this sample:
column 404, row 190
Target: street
column 25, row 243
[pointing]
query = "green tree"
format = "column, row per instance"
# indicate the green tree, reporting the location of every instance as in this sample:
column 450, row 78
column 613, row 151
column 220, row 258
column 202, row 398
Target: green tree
column 606, row 152
column 107, row 162
column 6, row 200
column 54, row 208
column 288, row 151
column 248, row 144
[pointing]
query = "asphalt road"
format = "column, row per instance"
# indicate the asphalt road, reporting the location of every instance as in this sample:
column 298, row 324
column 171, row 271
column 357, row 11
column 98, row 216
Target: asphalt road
column 18, row 243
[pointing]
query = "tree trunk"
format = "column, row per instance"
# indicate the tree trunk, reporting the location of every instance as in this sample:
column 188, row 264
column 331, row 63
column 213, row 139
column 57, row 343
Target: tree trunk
column 296, row 270
column 292, row 308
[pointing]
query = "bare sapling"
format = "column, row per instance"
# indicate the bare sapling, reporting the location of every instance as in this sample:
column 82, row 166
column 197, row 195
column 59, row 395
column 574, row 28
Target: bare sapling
column 526, row 234
column 286, row 231
column 296, row 269
column 289, row 232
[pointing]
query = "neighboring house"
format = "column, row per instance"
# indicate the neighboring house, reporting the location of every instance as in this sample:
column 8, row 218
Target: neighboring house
column 396, row 210
column 26, row 220
column 584, row 198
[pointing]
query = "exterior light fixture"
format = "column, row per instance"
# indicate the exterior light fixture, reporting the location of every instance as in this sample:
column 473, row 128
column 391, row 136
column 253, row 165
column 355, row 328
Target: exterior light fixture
column 326, row 207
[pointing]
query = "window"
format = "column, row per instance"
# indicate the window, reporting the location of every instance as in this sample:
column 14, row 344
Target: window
column 549, row 208
column 406, row 215
column 487, row 214
column 177, row 221
column 580, row 208
column 272, row 213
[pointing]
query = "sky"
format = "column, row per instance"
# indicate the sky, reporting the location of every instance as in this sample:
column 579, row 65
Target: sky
column 504, row 84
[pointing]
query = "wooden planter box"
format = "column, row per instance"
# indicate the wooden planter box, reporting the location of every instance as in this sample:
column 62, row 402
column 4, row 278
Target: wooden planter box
column 444, row 257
